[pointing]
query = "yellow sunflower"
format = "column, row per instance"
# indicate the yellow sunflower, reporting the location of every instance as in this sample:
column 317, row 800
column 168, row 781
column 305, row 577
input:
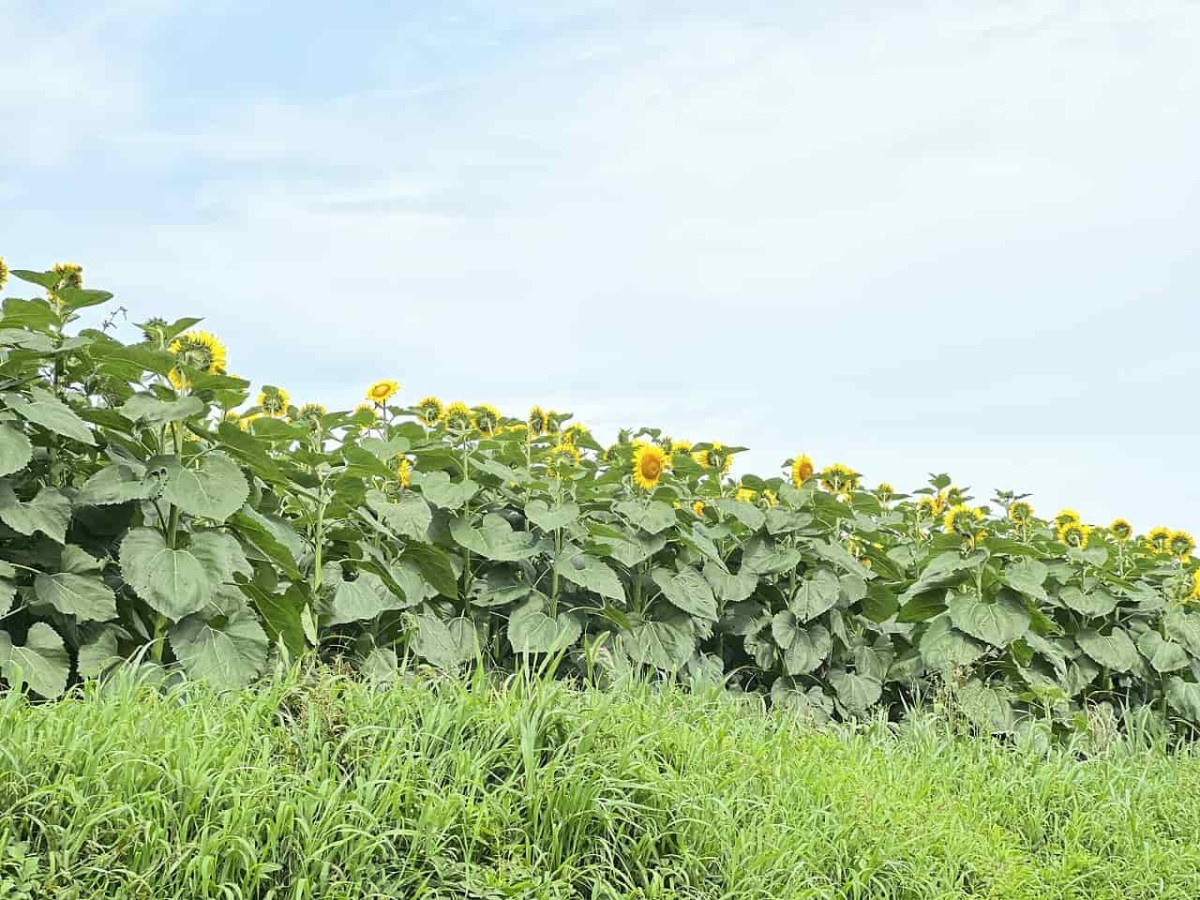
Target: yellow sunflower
column 1159, row 538
column 487, row 418
column 802, row 469
column 244, row 422
column 311, row 413
column 574, row 432
column 1120, row 529
column 536, row 421
column 698, row 507
column 458, row 417
column 273, row 401
column 649, row 463
column 681, row 447
column 928, row 506
column 715, row 459
column 963, row 520
column 70, row 275
column 198, row 350
column 745, row 495
column 563, row 458
column 382, row 391
column 1020, row 512
column 885, row 492
column 3, row 272
column 553, row 421
column 1073, row 534
column 365, row 409
column 1195, row 594
column 770, row 498
column 403, row 470
column 1181, row 544
column 1066, row 516
column 430, row 410
column 839, row 479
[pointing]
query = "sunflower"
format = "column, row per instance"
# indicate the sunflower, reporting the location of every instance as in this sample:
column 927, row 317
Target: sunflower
column 745, row 495
column 839, row 479
column 563, row 458
column 955, row 496
column 684, row 447
column 69, row 275
column 1121, row 529
column 553, row 421
column 885, row 492
column 716, row 458
column 1195, row 594
column 365, row 409
column 311, row 413
column 649, row 463
column 698, row 507
column 928, row 506
column 1159, row 538
column 244, row 422
column 770, row 498
column 403, row 470
column 273, row 401
column 1181, row 544
column 536, row 420
column 574, row 432
column 1073, row 534
column 3, row 272
column 962, row 520
column 802, row 469
column 1021, row 512
column 382, row 391
column 1066, row 516
column 487, row 418
column 198, row 350
column 458, row 417
column 430, row 410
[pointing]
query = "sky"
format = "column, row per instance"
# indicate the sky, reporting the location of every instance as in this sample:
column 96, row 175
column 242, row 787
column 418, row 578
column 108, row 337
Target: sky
column 953, row 237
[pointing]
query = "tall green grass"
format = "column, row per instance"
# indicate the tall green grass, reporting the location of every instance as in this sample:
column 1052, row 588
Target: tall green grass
column 320, row 786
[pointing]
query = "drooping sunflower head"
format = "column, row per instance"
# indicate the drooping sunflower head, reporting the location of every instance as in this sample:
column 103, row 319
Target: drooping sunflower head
column 715, row 459
column 563, row 459
column 681, row 447
column 430, row 410
column 458, row 417
column 199, row 350
column 575, row 432
column 70, row 275
column 928, row 507
column 487, row 418
column 1121, row 529
column 1181, row 544
column 963, row 520
column 802, row 469
column 649, row 464
column 273, row 401
column 1195, row 593
column 839, row 479
column 745, row 495
column 955, row 495
column 383, row 391
column 366, row 409
column 1159, row 539
column 3, row 273
column 1066, row 516
column 553, row 421
column 155, row 329
column 1021, row 512
column 536, row 421
column 311, row 414
column 1074, row 534
column 698, row 507
column 403, row 470
column 769, row 497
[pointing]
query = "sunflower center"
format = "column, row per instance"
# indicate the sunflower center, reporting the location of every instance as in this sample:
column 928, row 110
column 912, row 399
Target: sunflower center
column 651, row 467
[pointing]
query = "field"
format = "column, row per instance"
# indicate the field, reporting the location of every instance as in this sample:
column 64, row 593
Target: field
column 324, row 786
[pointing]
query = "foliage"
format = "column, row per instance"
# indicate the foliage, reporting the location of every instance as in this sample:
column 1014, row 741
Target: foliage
column 149, row 515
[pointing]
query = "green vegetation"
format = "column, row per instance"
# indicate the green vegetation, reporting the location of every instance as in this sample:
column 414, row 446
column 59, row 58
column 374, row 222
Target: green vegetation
column 325, row 786
column 149, row 514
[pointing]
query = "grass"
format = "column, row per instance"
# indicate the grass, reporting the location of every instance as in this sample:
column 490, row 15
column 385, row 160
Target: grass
column 316, row 785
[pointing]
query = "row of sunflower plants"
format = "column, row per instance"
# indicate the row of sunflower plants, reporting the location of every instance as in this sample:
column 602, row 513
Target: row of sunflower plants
column 151, row 514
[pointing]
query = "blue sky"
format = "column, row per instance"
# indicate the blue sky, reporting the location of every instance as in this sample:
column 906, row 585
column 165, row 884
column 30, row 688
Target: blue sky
column 956, row 237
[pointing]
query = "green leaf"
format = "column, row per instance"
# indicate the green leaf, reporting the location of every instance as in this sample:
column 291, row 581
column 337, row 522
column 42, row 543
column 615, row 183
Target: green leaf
column 589, row 573
column 172, row 582
column 746, row 513
column 439, row 490
column 494, row 539
column 763, row 557
column 1027, row 576
column 362, row 599
column 664, row 644
column 283, row 616
column 215, row 488
column 498, row 587
column 148, row 409
column 15, row 450
column 275, row 540
column 532, row 630
column 857, row 693
column 815, row 595
column 8, row 587
column 221, row 556
column 43, row 663
column 99, row 654
column 628, row 548
column 881, row 603
column 435, row 566
column 987, row 707
column 942, row 648
column 541, row 514
column 998, row 623
column 804, row 649
column 943, row 569
column 1095, row 603
column 446, row 646
column 1184, row 697
column 652, row 516
column 49, row 512
column 1114, row 651
column 52, row 414
column 1163, row 656
column 729, row 588
column 227, row 652
column 921, row 607
column 1183, row 627
column 839, row 556
column 688, row 591
column 409, row 515
column 89, row 599
column 117, row 483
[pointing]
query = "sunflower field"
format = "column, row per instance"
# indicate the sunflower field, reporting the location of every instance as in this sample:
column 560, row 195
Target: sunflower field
column 157, row 512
